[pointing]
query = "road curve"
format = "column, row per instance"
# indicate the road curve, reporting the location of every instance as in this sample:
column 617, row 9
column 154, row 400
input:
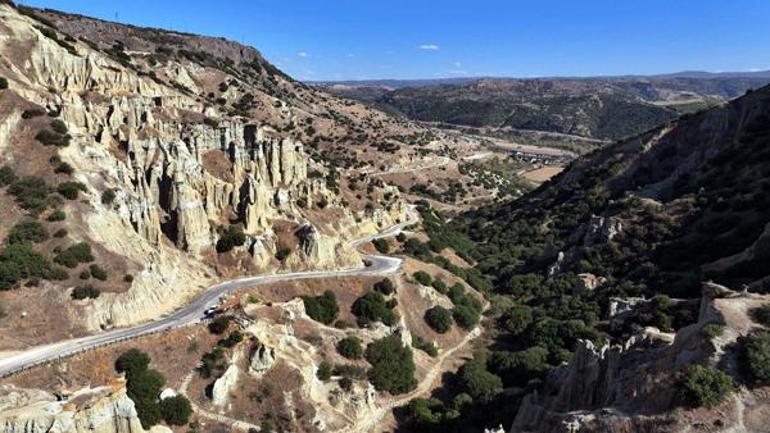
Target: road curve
column 195, row 310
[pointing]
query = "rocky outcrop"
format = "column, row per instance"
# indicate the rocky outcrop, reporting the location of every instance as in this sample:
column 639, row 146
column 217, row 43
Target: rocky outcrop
column 98, row 410
column 625, row 387
column 262, row 360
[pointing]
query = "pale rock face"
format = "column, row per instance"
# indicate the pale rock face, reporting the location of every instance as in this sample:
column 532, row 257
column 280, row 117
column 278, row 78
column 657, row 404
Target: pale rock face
column 262, row 360
column 99, row 410
column 226, row 384
column 601, row 229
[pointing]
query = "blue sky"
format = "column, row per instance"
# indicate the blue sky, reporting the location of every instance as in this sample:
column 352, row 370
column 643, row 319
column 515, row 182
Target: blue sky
column 367, row 39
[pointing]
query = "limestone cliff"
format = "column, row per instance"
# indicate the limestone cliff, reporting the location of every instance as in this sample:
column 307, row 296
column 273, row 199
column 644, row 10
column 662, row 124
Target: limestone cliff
column 181, row 169
column 97, row 410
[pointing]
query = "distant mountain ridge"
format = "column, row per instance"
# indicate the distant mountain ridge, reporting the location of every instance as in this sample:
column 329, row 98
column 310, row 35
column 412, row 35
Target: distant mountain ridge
column 607, row 108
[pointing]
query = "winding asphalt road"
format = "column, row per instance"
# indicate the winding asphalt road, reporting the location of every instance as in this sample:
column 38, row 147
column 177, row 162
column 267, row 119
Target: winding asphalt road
column 196, row 310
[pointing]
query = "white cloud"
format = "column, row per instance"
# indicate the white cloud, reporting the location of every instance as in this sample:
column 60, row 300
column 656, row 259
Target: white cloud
column 302, row 54
column 351, row 55
column 458, row 65
column 431, row 47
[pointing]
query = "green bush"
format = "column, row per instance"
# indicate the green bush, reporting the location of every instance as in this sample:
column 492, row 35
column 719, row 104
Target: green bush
column 712, row 330
column 143, row 387
column 439, row 319
column 220, row 324
column 392, row 365
column 350, row 347
column 440, row 286
column 428, row 347
column 703, row 386
column 282, row 253
column 27, row 230
column 60, row 233
column 381, row 245
column 70, row 190
column 58, row 126
column 346, row 384
column 75, row 254
column 176, row 410
column 57, row 216
column 31, row 193
column 371, row 307
column 761, row 315
column 32, row 113
column 466, row 316
column 85, row 274
column 324, row 372
column 64, row 168
column 423, row 278
column 322, row 309
column 98, row 272
column 132, row 360
column 3, row 83
column 128, row 278
column 51, row 138
column 231, row 237
column 234, row 338
column 516, row 319
column 7, row 176
column 474, row 378
column 518, row 368
column 756, row 357
column 385, row 286
column 20, row 261
column 85, row 292
column 108, row 197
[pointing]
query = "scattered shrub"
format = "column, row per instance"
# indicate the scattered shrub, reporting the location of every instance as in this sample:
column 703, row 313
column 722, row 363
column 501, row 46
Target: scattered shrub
column 761, row 315
column 85, row 274
column 712, row 331
column 324, row 372
column 31, row 193
column 439, row 319
column 482, row 385
column 423, row 278
column 57, row 216
column 58, row 126
column 440, row 286
column 756, row 357
column 385, row 286
column 32, row 113
column 426, row 346
column 64, row 168
column 60, row 233
column 176, row 410
column 282, row 253
column 108, row 196
column 128, row 278
column 70, row 190
column 75, row 254
column 143, row 387
column 392, row 365
column 704, row 386
column 27, row 230
column 85, row 292
column 220, row 324
column 3, row 83
column 51, row 138
column 322, row 309
column 371, row 307
column 350, row 347
column 7, row 176
column 466, row 316
column 381, row 245
column 346, row 384
column 98, row 272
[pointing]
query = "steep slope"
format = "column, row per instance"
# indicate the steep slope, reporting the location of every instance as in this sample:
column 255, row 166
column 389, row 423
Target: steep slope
column 593, row 273
column 134, row 178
